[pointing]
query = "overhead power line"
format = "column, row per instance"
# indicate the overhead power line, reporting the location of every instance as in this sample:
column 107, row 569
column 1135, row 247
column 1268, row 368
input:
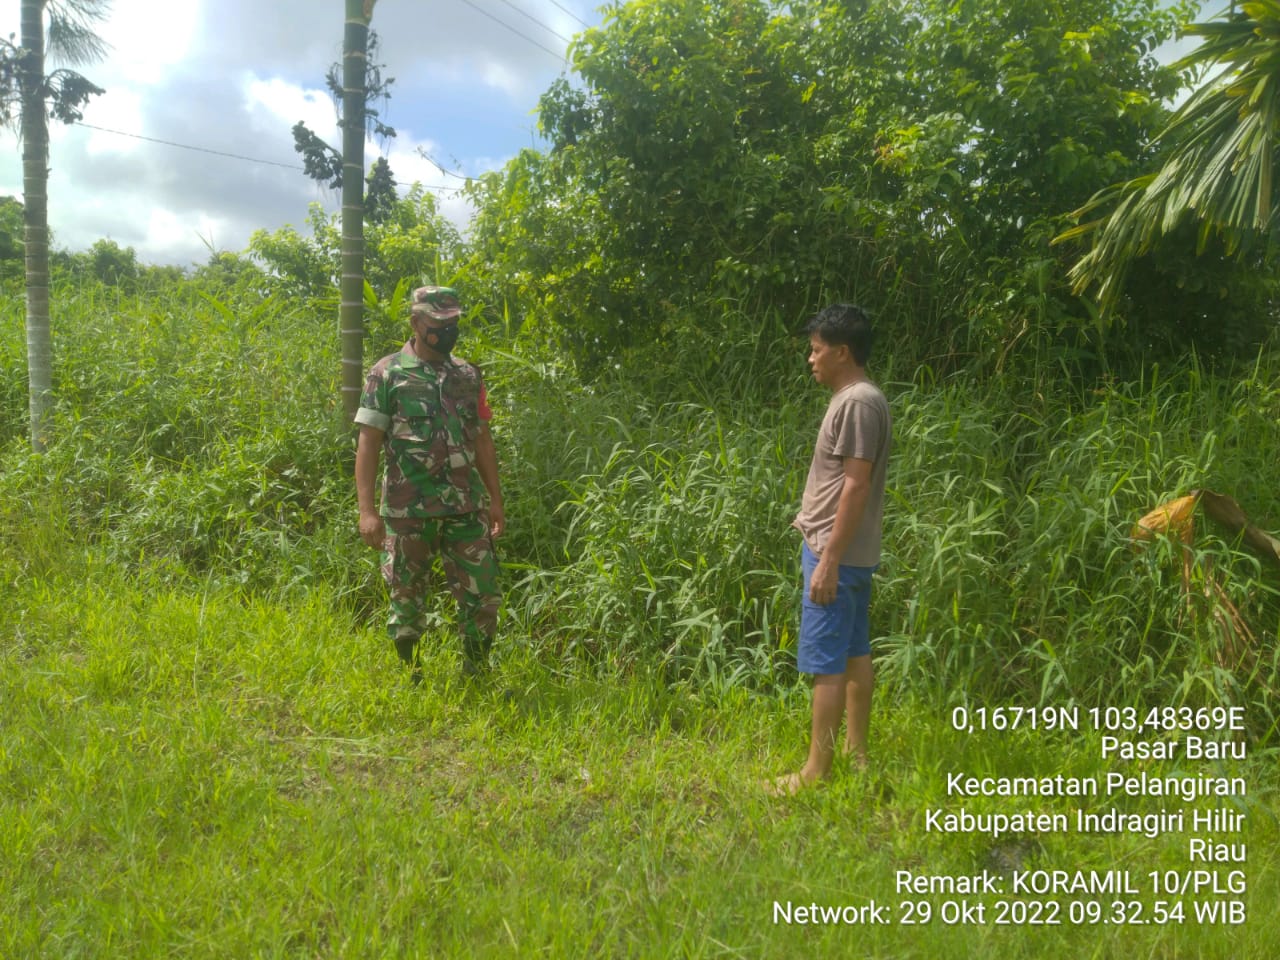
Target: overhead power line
column 237, row 156
column 518, row 33
column 530, row 16
column 422, row 152
column 565, row 9
column 187, row 146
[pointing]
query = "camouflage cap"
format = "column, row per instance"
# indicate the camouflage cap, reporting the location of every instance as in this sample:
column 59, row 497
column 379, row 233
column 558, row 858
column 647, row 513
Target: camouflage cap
column 438, row 302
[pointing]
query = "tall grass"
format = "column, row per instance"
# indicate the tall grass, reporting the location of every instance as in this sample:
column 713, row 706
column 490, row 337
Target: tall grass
column 1032, row 551
column 1008, row 568
column 198, row 440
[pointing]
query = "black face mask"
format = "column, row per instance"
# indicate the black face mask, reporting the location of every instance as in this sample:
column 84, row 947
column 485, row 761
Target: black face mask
column 442, row 339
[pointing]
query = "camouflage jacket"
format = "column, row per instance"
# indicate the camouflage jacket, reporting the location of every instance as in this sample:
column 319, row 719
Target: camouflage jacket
column 430, row 415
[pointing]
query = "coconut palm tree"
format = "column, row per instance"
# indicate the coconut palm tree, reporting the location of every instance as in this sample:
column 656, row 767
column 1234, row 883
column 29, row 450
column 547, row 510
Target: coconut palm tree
column 1221, row 158
column 63, row 93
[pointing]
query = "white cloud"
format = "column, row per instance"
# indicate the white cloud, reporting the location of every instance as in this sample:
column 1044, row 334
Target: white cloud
column 500, row 75
column 271, row 103
column 206, row 94
column 166, row 231
column 148, row 37
column 120, row 110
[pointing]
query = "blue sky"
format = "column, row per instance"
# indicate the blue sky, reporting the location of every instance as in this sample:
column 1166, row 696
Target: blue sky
column 233, row 76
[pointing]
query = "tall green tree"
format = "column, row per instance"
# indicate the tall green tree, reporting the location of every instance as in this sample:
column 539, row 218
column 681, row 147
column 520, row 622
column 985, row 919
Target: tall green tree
column 722, row 163
column 1220, row 162
column 31, row 95
column 410, row 239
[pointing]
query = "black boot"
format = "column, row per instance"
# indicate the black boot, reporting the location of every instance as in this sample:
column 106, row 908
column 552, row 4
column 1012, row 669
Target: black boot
column 407, row 648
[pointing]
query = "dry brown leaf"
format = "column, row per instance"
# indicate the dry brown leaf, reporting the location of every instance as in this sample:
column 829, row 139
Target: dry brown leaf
column 1174, row 518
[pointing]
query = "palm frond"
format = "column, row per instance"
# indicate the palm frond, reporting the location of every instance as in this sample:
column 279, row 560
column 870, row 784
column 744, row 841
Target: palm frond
column 1220, row 167
column 72, row 39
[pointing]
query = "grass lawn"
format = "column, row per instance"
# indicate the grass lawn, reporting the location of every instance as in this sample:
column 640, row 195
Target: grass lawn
column 205, row 775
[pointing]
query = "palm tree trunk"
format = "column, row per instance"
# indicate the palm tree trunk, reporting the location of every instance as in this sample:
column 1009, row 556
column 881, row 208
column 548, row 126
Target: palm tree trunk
column 351, row 310
column 35, row 234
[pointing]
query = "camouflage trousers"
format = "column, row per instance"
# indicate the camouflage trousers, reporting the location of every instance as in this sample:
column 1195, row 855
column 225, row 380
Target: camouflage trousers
column 470, row 568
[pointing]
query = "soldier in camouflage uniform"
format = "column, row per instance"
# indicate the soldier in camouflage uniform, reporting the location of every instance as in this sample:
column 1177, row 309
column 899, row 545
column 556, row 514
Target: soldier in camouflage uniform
column 428, row 411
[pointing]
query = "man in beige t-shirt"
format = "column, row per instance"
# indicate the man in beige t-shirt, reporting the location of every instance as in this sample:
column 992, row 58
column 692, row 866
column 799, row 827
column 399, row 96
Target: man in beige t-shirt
column 840, row 519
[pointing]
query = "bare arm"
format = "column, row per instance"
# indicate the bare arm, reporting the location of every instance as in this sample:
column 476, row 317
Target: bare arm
column 487, row 464
column 368, row 452
column 853, row 501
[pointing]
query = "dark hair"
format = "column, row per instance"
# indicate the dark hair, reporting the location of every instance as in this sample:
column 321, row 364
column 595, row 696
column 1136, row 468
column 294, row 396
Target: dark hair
column 843, row 323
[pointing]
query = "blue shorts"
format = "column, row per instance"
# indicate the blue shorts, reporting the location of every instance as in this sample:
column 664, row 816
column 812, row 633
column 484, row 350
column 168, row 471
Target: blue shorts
column 839, row 631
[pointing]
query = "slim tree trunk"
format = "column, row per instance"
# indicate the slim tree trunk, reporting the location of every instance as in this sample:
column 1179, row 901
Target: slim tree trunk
column 351, row 310
column 35, row 234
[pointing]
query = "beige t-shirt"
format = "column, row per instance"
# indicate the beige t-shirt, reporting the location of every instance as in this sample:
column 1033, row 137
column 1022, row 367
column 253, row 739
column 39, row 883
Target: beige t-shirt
column 857, row 424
